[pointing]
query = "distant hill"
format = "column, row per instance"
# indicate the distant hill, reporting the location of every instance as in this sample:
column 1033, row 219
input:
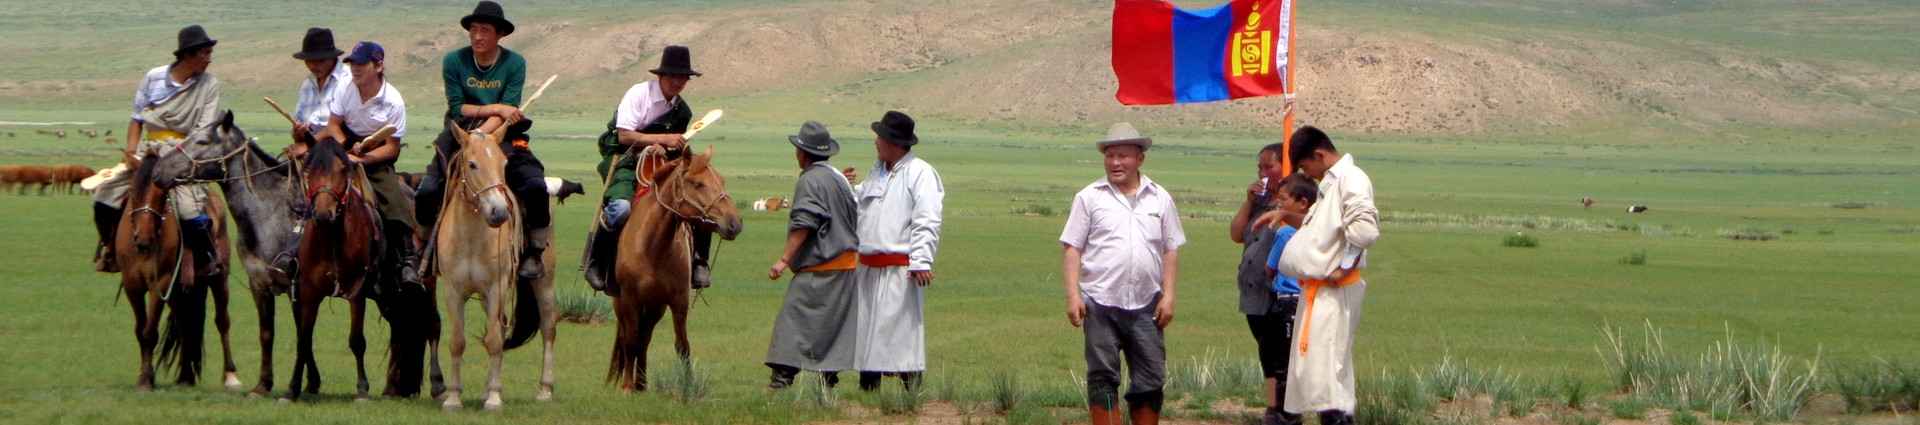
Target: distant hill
column 1387, row 66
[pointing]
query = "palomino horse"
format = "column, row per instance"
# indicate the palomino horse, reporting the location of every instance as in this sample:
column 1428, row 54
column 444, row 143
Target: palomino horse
column 156, row 272
column 263, row 192
column 654, row 270
column 477, row 248
column 336, row 256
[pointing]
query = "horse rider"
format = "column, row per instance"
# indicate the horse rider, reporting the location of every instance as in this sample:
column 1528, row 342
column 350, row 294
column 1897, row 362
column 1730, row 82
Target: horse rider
column 171, row 101
column 483, row 83
column 651, row 114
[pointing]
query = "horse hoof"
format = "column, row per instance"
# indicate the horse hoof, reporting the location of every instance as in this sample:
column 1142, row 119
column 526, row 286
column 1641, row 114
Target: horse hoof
column 545, row 394
column 450, row 406
column 284, row 400
column 493, row 403
column 233, row 382
column 361, row 399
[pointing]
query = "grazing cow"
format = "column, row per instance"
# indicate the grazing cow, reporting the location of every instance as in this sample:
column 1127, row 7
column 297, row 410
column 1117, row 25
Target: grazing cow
column 1586, row 202
column 34, row 175
column 1637, row 209
column 9, row 176
column 68, row 177
column 61, row 134
column 774, row 204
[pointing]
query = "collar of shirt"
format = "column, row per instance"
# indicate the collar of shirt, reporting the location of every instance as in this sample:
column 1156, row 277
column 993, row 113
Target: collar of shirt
column 314, row 97
column 1146, row 185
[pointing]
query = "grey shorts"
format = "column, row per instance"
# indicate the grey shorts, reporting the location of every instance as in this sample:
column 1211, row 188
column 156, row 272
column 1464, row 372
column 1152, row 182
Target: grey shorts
column 1111, row 332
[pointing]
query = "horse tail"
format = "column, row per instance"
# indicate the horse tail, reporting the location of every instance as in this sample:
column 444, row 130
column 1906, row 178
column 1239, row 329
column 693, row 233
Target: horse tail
column 410, row 315
column 182, row 343
column 526, row 313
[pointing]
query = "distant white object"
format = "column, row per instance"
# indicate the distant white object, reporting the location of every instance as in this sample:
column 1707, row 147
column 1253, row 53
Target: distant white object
column 760, row 204
column 1637, row 209
column 561, row 188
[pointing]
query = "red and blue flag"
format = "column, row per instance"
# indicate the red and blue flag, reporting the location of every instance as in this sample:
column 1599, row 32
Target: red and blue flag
column 1165, row 54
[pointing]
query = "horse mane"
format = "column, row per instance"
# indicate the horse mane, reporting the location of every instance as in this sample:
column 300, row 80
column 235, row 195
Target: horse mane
column 143, row 176
column 323, row 154
column 272, row 161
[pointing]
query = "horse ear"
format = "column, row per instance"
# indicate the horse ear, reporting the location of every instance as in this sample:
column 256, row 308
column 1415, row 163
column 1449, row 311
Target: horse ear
column 459, row 133
column 226, row 120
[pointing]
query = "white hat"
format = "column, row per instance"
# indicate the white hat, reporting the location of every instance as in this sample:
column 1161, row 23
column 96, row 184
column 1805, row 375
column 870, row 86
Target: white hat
column 1125, row 134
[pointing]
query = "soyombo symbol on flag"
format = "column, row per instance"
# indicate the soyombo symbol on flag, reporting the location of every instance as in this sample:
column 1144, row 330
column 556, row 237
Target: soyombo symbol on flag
column 1164, row 54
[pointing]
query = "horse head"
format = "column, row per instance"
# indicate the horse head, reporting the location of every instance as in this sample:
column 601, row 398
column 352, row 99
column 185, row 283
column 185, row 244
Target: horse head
column 479, row 170
column 204, row 154
column 147, row 207
column 693, row 190
column 328, row 185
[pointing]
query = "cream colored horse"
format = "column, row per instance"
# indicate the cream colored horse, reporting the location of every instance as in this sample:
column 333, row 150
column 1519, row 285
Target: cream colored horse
column 478, row 246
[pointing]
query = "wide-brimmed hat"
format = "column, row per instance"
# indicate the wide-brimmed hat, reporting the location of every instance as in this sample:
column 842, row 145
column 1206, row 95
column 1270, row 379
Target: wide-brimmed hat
column 814, row 139
column 491, row 13
column 318, row 44
column 896, row 127
column 1125, row 134
column 676, row 60
column 367, row 51
column 192, row 39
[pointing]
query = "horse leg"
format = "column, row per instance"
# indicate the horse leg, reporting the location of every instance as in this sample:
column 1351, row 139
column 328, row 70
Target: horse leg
column 456, row 304
column 145, row 380
column 680, row 344
column 439, row 383
column 224, row 322
column 357, row 341
column 263, row 304
column 549, row 317
column 495, row 341
column 649, row 318
column 306, row 369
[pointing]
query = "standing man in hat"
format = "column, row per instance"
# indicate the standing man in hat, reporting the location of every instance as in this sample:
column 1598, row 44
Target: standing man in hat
column 483, row 83
column 1122, row 242
column 651, row 114
column 368, row 104
column 899, row 228
column 815, row 330
column 172, row 100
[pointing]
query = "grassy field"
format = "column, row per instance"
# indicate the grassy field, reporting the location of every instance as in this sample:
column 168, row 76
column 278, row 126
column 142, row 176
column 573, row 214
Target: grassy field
column 1837, row 283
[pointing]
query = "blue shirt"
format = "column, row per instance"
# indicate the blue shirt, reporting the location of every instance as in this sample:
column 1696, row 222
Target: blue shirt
column 1282, row 284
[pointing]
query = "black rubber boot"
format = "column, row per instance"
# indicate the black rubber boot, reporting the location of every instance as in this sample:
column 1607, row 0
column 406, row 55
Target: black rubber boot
column 602, row 247
column 106, row 220
column 198, row 235
column 702, row 272
column 1335, row 417
column 870, row 381
column 530, row 256
column 782, row 376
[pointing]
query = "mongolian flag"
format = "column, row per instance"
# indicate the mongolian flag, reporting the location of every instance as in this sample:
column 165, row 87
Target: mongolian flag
column 1164, row 54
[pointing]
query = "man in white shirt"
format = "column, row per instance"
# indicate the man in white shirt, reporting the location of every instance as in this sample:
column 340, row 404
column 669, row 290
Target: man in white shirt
column 326, row 78
column 368, row 104
column 899, row 229
column 171, row 101
column 1121, row 243
column 652, row 113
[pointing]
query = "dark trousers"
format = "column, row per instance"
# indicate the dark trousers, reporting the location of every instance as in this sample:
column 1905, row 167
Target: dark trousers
column 525, row 176
column 1113, row 331
column 1272, row 334
column 783, row 376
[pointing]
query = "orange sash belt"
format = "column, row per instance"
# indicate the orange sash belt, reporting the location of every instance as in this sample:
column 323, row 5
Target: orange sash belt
column 884, row 260
column 1312, row 288
column 840, row 263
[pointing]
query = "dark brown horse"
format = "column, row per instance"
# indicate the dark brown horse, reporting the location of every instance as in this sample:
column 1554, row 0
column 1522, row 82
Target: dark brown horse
column 156, row 272
column 654, row 270
column 336, row 255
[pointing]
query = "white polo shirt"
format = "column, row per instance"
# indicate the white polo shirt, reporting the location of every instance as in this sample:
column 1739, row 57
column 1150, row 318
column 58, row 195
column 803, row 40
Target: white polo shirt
column 642, row 104
column 1122, row 241
column 365, row 116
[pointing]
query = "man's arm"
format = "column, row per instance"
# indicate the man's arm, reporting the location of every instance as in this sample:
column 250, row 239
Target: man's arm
column 924, row 227
column 630, row 138
column 1169, row 268
column 1238, row 229
column 1070, row 280
column 795, row 237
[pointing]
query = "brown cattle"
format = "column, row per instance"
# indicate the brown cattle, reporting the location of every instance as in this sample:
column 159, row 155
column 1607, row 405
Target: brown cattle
column 29, row 175
column 68, row 177
column 9, row 175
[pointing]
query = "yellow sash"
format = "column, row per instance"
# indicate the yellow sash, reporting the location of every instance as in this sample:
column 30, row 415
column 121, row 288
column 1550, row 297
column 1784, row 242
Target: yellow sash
column 164, row 134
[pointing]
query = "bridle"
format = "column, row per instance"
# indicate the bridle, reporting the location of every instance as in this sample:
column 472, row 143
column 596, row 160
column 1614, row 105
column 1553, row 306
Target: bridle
column 473, row 194
column 703, row 208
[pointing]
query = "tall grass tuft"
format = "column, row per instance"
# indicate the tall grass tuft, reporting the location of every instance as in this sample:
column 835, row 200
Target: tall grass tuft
column 812, row 390
column 1521, row 240
column 1728, row 377
column 895, row 400
column 1881, row 386
column 1006, row 392
column 684, row 381
column 583, row 307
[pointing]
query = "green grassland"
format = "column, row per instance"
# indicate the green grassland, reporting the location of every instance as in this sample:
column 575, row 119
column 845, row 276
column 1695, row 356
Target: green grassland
column 1837, row 283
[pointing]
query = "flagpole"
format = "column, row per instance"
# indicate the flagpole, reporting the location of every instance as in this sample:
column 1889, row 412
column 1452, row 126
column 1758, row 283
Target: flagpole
column 1287, row 98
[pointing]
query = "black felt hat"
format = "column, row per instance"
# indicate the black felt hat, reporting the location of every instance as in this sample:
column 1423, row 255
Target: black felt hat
column 491, row 13
column 896, row 127
column 192, row 39
column 318, row 44
column 676, row 60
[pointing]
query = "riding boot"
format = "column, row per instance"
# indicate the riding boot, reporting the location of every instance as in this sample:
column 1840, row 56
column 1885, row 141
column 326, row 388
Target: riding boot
column 288, row 262
column 702, row 271
column 1144, row 408
column 782, row 376
column 1099, row 415
column 409, row 256
column 530, row 256
column 1335, row 417
column 106, row 220
column 910, row 381
column 198, row 236
column 870, row 381
column 1276, row 416
column 603, row 246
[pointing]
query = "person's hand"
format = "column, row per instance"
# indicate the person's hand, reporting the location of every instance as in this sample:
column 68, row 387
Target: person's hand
column 507, row 113
column 300, row 129
column 1253, row 190
column 356, row 158
column 127, row 157
column 850, row 173
column 1163, row 314
column 1267, row 220
column 1338, row 274
column 1076, row 311
column 922, row 277
column 674, row 142
column 779, row 267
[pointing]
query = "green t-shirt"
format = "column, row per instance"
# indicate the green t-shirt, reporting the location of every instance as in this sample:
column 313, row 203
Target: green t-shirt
column 467, row 84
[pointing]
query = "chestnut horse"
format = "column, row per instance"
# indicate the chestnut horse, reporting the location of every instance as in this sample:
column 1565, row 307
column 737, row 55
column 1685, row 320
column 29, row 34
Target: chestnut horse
column 477, row 247
column 157, row 272
column 655, row 270
column 336, row 256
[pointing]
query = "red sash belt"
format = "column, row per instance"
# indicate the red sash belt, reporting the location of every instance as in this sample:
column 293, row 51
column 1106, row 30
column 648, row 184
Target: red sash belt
column 884, row 260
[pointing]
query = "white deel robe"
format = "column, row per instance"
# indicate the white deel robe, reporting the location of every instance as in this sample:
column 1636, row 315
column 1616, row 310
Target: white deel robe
column 1338, row 230
column 899, row 214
